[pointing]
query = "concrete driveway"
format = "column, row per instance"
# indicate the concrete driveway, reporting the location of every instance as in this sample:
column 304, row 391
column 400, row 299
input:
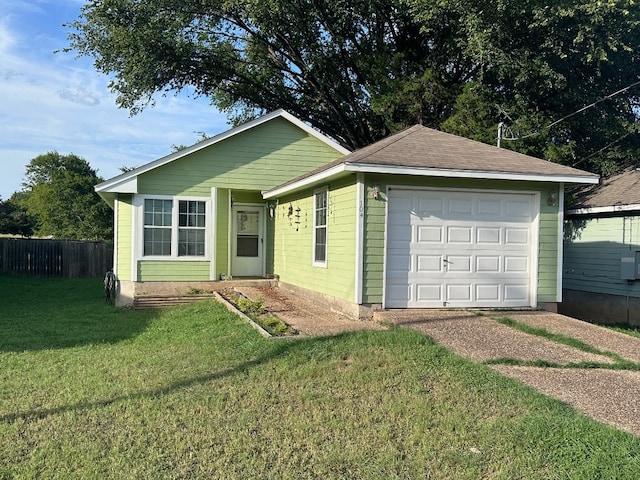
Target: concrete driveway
column 606, row 394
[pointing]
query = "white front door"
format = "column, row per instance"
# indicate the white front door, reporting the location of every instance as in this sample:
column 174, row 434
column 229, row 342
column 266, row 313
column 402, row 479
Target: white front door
column 247, row 241
column 460, row 249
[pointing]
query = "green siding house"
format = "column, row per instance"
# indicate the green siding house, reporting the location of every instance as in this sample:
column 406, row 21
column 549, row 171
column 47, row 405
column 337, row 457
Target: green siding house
column 601, row 280
column 422, row 219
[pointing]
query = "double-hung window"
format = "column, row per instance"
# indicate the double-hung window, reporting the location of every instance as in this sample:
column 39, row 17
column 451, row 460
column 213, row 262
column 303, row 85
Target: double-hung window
column 174, row 228
column 191, row 228
column 321, row 201
column 158, row 218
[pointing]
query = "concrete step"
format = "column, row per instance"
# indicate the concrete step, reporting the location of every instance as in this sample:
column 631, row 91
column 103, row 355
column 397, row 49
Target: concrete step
column 154, row 301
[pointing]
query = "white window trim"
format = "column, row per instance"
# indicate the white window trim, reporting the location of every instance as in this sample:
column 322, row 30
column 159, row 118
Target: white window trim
column 314, row 262
column 139, row 206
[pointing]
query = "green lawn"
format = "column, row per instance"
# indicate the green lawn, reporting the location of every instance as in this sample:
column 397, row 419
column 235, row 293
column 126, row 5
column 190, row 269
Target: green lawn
column 90, row 391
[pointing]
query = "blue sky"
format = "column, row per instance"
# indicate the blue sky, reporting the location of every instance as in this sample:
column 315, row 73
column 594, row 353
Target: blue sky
column 58, row 102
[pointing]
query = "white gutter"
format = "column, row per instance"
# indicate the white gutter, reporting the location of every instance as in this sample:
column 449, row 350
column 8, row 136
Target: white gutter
column 608, row 209
column 426, row 172
column 458, row 173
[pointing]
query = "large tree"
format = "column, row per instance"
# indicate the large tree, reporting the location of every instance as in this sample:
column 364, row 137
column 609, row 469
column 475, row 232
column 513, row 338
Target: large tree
column 14, row 219
column 360, row 69
column 59, row 193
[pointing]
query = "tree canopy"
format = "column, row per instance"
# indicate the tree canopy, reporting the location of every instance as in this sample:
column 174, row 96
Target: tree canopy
column 14, row 219
column 360, row 69
column 59, row 193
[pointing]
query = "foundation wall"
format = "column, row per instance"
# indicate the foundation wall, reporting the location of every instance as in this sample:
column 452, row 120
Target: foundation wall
column 600, row 308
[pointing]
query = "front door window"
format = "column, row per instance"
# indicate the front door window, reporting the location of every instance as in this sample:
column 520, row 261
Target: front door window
column 248, row 234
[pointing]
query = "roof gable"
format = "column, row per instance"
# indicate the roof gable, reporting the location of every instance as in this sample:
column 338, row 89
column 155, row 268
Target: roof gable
column 128, row 182
column 424, row 151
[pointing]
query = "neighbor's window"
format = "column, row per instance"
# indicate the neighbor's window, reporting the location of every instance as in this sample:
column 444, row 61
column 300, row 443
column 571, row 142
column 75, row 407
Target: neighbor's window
column 163, row 227
column 157, row 227
column 191, row 228
column 320, row 227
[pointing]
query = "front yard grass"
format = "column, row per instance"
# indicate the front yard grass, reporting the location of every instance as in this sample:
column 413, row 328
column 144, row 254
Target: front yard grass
column 90, row 391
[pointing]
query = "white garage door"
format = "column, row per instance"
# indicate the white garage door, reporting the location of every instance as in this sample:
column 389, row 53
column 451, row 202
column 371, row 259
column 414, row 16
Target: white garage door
column 460, row 248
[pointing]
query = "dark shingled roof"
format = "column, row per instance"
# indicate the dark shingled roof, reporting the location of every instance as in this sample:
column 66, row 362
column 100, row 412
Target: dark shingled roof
column 621, row 189
column 425, row 148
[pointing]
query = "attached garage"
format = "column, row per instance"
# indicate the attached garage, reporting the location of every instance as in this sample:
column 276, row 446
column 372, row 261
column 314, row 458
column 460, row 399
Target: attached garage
column 461, row 248
column 440, row 222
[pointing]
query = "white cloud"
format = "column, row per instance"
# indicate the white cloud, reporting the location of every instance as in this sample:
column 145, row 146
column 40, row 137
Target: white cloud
column 79, row 95
column 56, row 102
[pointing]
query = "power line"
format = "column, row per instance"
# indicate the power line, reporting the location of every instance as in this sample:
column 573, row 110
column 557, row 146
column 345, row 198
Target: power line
column 602, row 149
column 611, row 95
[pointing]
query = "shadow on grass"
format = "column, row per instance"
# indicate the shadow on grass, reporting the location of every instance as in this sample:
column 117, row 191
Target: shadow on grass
column 41, row 314
column 309, row 346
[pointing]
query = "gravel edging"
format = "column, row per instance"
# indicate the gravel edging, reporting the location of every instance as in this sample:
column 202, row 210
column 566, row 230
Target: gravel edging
column 233, row 309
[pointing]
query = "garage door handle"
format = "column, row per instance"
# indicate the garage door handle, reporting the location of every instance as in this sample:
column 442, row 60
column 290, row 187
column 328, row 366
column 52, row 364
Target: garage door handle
column 446, row 261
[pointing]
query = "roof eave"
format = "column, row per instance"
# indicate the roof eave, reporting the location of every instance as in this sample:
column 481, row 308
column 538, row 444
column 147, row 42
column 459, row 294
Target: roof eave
column 426, row 172
column 604, row 209
column 485, row 174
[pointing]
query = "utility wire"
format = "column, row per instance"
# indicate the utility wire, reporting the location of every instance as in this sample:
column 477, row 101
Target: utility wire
column 602, row 149
column 575, row 113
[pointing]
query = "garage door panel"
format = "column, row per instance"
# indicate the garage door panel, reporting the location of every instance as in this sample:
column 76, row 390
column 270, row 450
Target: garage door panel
column 398, row 263
column 488, row 235
column 516, row 292
column 429, row 234
column 462, row 206
column 518, row 209
column 488, row 293
column 459, row 248
column 430, row 207
column 429, row 263
column 488, row 263
column 462, row 234
column 429, row 292
column 459, row 263
column 490, row 207
column 399, row 234
column 516, row 264
column 398, row 296
column 401, row 205
column 516, row 236
column 458, row 293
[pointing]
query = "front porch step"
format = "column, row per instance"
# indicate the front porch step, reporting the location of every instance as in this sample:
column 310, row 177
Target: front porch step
column 154, row 301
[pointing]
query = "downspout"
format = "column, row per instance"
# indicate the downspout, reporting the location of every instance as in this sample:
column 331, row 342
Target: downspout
column 560, row 241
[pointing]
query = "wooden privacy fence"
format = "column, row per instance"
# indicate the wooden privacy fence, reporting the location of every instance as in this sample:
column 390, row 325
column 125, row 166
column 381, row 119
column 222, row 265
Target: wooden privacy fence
column 55, row 258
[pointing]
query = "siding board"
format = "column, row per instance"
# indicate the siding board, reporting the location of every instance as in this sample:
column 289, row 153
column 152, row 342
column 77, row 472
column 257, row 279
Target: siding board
column 592, row 252
column 293, row 242
column 168, row 271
